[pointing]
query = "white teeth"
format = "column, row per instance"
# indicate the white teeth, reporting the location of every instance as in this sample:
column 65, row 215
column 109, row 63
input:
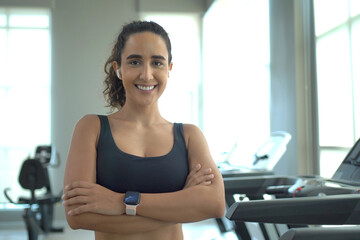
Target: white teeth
column 145, row 88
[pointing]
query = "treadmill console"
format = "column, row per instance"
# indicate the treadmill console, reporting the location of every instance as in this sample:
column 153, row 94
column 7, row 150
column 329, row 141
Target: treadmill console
column 349, row 169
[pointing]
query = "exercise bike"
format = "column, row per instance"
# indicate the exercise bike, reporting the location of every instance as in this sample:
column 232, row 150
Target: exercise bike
column 38, row 209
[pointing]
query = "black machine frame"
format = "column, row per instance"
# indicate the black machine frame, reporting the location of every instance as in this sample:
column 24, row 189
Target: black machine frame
column 300, row 201
column 38, row 209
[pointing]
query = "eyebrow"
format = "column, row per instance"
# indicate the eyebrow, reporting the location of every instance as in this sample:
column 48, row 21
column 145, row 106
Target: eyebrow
column 139, row 56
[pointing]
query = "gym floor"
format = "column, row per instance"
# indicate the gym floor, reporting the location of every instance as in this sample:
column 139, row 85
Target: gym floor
column 204, row 230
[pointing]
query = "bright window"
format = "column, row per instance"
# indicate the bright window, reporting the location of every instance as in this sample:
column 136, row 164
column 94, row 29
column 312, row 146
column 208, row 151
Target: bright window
column 24, row 90
column 337, row 24
column 179, row 102
column 236, row 81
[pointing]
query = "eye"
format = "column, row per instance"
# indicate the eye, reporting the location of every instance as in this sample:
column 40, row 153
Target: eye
column 158, row 63
column 134, row 62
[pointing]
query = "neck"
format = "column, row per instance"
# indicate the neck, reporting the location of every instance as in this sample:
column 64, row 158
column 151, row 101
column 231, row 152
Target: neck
column 143, row 115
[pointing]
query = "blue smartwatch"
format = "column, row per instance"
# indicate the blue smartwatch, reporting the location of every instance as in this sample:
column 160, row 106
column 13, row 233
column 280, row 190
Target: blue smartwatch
column 131, row 200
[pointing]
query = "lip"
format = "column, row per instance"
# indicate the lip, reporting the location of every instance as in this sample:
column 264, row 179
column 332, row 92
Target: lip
column 145, row 88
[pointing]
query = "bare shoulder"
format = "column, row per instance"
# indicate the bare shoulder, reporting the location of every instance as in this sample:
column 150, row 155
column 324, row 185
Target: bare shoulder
column 191, row 130
column 89, row 121
column 194, row 137
column 88, row 127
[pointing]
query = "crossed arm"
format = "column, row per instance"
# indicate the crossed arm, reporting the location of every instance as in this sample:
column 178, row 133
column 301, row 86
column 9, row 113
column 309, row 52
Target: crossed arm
column 91, row 206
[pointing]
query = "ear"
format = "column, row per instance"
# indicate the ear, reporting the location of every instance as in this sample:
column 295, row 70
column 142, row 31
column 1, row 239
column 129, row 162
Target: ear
column 117, row 69
column 170, row 66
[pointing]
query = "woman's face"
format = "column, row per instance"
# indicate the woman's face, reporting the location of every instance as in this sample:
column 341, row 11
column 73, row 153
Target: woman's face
column 144, row 68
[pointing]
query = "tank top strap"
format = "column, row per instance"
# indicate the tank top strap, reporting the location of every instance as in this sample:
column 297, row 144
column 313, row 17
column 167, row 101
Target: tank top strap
column 104, row 125
column 179, row 135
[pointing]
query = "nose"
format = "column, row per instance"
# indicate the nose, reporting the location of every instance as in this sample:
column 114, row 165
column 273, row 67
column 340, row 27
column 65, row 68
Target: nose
column 146, row 73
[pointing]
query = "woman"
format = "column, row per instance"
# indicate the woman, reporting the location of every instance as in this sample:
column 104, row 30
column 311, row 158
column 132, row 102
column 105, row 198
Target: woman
column 133, row 174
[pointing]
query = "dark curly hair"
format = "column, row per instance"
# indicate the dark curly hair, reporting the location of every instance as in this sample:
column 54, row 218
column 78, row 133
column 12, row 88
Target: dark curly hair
column 114, row 91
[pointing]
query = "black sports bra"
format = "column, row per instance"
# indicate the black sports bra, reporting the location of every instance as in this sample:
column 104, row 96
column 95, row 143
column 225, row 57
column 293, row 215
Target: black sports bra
column 122, row 172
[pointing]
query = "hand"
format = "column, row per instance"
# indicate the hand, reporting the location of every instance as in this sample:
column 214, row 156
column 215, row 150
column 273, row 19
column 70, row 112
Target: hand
column 94, row 198
column 198, row 176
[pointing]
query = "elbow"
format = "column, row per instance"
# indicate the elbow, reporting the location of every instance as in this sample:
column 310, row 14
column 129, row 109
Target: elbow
column 216, row 205
column 219, row 209
column 83, row 221
column 76, row 222
column 72, row 222
column 215, row 208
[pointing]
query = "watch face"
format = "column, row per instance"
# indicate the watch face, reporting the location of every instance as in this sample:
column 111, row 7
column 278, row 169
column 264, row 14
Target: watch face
column 132, row 198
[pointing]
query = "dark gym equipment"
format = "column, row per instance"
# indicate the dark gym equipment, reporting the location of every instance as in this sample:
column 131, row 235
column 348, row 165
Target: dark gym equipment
column 38, row 210
column 325, row 210
column 302, row 201
column 261, row 164
column 335, row 233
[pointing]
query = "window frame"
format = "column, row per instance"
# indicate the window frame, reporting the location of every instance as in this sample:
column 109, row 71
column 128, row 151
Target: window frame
column 28, row 150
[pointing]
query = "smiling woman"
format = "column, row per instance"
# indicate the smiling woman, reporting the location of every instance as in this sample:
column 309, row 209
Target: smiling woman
column 147, row 69
column 133, row 174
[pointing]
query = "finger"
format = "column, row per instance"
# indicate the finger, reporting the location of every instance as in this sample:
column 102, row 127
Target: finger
column 194, row 170
column 75, row 192
column 210, row 176
column 78, row 184
column 80, row 210
column 206, row 183
column 198, row 167
column 76, row 200
column 78, row 192
column 204, row 178
column 202, row 173
column 200, row 177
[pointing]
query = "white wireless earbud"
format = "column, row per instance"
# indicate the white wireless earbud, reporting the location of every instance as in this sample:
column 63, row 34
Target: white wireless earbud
column 118, row 73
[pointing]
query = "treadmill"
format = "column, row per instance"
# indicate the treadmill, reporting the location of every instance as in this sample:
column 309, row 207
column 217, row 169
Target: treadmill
column 343, row 209
column 302, row 201
column 261, row 164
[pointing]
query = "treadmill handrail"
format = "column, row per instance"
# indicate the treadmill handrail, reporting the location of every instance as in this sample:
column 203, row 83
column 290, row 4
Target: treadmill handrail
column 255, row 185
column 325, row 210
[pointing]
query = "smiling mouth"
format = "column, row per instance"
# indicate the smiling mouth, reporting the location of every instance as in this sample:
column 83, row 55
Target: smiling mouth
column 145, row 88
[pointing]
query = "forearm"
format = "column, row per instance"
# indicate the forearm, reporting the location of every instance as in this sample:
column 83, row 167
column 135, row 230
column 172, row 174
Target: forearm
column 107, row 209
column 188, row 205
column 120, row 224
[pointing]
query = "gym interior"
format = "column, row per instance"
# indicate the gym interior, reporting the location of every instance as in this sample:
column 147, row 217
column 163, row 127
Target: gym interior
column 281, row 75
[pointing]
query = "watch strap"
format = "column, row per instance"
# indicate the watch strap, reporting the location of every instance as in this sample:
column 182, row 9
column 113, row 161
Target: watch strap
column 131, row 209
